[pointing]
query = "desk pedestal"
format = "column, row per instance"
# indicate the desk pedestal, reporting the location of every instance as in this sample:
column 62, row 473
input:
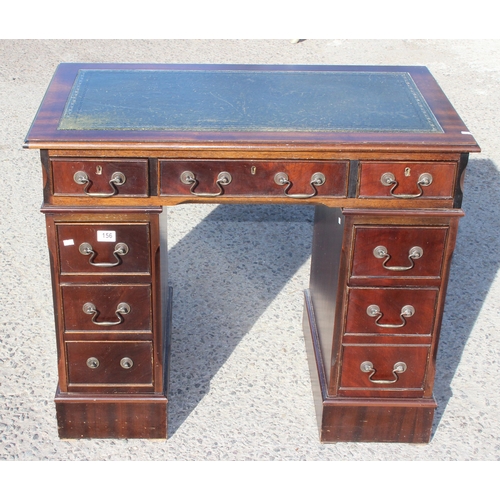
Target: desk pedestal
column 371, row 328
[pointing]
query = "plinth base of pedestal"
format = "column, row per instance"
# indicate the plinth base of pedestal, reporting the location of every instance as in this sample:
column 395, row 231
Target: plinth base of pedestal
column 98, row 416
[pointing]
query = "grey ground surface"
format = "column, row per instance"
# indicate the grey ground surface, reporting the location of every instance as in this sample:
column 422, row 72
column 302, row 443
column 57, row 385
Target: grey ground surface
column 240, row 386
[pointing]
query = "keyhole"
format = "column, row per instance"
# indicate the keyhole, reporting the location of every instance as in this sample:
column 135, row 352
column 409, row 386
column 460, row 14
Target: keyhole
column 98, row 170
column 407, row 171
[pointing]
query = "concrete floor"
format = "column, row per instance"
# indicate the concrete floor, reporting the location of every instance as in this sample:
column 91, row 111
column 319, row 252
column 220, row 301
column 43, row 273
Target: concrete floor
column 240, row 386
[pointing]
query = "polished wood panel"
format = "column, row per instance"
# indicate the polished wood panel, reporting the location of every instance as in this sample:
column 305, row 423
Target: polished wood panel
column 377, row 421
column 97, row 416
column 326, row 275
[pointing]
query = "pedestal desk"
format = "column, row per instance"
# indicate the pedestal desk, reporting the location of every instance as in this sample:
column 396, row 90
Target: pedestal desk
column 380, row 152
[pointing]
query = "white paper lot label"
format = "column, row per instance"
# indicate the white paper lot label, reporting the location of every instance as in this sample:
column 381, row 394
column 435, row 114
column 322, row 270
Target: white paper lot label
column 106, row 236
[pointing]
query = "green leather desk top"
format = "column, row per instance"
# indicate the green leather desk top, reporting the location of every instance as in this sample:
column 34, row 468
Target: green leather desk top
column 246, row 101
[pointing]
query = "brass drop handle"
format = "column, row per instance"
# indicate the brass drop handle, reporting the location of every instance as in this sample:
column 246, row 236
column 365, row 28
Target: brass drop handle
column 389, row 179
column 223, row 179
column 367, row 367
column 381, row 252
column 93, row 363
column 120, row 249
column 374, row 312
column 317, row 179
column 122, row 309
column 126, row 363
column 117, row 179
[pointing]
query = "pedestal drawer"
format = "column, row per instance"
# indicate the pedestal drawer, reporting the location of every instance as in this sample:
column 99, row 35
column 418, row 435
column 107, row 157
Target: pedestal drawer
column 110, row 363
column 407, row 180
column 104, row 248
column 285, row 179
column 100, row 178
column 107, row 307
column 391, row 310
column 383, row 368
column 398, row 252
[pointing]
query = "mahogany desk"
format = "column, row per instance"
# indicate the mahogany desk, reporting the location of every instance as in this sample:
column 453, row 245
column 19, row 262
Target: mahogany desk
column 379, row 150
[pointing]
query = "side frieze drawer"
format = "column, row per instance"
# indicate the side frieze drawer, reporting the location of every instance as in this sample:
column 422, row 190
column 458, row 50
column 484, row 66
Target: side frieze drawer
column 100, row 178
column 407, row 180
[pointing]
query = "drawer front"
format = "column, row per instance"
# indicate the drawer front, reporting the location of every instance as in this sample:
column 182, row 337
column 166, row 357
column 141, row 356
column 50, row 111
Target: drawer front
column 281, row 179
column 104, row 248
column 407, row 180
column 110, row 363
column 107, row 307
column 398, row 252
column 100, row 178
column 385, row 368
column 403, row 311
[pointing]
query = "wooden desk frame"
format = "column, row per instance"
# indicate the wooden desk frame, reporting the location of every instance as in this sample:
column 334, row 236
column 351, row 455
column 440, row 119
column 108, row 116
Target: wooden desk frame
column 372, row 315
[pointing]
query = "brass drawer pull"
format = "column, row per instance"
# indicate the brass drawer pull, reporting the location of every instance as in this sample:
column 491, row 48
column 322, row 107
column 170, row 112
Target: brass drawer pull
column 120, row 249
column 381, row 252
column 126, row 363
column 374, row 311
column 367, row 367
column 223, row 179
column 122, row 308
column 93, row 363
column 317, row 179
column 117, row 179
column 389, row 179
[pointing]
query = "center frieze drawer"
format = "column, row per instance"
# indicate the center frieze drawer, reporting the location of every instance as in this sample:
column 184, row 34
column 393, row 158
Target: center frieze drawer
column 398, row 252
column 287, row 179
column 104, row 248
column 107, row 307
column 110, row 363
column 404, row 311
